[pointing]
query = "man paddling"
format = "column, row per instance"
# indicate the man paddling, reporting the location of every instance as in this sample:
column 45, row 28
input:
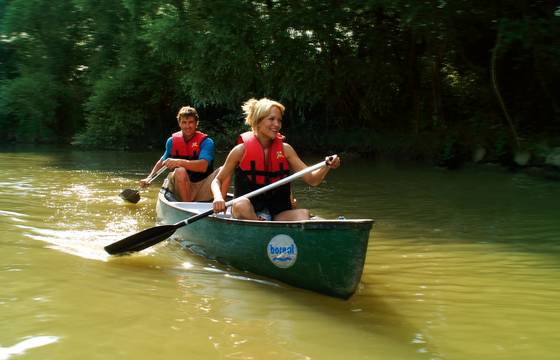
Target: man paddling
column 190, row 154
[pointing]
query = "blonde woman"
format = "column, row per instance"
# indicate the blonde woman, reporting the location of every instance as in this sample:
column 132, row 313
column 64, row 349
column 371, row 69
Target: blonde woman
column 261, row 157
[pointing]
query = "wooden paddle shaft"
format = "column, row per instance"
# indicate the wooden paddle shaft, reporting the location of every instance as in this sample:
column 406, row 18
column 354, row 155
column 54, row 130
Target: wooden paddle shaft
column 158, row 173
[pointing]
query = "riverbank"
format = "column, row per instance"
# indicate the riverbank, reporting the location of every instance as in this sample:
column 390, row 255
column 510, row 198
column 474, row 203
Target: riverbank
column 537, row 158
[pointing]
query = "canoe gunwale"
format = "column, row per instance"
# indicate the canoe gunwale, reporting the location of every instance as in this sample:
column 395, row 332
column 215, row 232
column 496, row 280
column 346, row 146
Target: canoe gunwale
column 301, row 224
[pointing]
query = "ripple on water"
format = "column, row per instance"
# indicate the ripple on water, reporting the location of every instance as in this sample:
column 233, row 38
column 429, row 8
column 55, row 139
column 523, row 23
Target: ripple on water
column 13, row 216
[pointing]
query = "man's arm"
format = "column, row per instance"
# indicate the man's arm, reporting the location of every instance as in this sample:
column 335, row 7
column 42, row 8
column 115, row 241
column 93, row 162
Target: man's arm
column 159, row 164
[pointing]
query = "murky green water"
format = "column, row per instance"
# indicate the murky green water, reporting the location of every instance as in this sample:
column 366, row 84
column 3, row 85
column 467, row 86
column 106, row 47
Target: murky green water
column 461, row 265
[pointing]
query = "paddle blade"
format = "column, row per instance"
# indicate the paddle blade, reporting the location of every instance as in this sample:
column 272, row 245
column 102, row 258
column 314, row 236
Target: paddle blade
column 141, row 240
column 130, row 195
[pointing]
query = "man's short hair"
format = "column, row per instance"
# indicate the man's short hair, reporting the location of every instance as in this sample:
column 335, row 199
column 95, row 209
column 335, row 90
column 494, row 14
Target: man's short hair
column 187, row 111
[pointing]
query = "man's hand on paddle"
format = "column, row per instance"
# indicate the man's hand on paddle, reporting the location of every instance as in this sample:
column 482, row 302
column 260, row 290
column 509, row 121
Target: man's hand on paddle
column 144, row 182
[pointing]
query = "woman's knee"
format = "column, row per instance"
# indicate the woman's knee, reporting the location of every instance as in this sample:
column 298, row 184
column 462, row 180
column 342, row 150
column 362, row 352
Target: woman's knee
column 301, row 214
column 241, row 208
column 304, row 214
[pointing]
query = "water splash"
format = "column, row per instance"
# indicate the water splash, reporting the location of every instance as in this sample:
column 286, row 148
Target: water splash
column 75, row 242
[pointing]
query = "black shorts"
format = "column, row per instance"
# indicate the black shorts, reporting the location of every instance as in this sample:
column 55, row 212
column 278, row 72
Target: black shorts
column 275, row 201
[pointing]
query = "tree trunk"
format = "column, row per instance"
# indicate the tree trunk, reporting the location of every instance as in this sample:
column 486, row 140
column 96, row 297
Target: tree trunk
column 498, row 94
column 439, row 119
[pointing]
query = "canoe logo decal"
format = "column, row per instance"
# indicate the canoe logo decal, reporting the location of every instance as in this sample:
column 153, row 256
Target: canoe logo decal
column 282, row 251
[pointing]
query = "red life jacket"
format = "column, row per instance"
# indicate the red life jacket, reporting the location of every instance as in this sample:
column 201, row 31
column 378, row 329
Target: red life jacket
column 253, row 173
column 187, row 150
column 253, row 165
column 190, row 150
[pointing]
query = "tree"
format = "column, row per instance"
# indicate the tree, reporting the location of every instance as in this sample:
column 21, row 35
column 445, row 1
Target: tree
column 45, row 76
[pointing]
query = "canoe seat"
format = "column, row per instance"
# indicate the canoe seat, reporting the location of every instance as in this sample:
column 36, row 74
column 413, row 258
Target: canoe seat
column 200, row 207
column 169, row 196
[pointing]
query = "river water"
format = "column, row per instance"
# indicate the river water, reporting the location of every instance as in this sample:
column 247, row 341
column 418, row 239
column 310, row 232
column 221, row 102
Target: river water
column 461, row 264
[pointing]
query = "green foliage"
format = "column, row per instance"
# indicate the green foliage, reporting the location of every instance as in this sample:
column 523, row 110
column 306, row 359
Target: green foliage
column 161, row 34
column 117, row 71
column 28, row 109
column 114, row 118
column 43, row 76
column 224, row 130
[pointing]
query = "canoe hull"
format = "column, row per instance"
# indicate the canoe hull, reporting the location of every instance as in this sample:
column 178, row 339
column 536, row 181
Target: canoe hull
column 326, row 256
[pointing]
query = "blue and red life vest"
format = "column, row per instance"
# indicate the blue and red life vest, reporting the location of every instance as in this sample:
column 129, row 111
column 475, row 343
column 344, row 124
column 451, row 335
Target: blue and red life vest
column 255, row 171
column 190, row 150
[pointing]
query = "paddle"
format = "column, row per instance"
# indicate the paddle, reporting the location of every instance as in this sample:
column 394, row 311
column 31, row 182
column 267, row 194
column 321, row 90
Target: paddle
column 132, row 195
column 154, row 235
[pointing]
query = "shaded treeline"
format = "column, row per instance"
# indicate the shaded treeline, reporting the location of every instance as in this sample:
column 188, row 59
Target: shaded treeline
column 414, row 78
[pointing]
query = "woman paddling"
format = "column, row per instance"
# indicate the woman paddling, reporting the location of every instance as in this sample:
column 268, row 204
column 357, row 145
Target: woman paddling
column 261, row 158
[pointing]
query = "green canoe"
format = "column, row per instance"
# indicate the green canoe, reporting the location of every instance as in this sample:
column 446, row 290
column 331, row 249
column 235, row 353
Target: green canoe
column 326, row 256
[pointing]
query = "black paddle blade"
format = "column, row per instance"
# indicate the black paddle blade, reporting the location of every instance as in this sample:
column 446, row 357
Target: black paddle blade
column 142, row 240
column 130, row 195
